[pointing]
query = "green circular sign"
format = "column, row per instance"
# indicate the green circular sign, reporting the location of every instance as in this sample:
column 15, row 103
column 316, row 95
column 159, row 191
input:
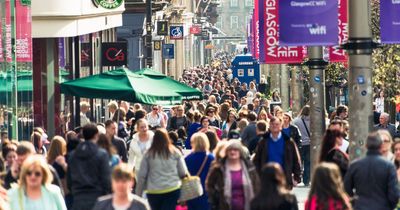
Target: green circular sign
column 109, row 4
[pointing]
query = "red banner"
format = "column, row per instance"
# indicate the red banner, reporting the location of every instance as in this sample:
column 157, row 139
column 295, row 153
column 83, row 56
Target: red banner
column 1, row 37
column 275, row 54
column 195, row 29
column 336, row 54
column 23, row 32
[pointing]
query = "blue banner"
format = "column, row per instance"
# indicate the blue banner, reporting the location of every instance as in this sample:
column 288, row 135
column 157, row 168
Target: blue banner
column 390, row 21
column 308, row 23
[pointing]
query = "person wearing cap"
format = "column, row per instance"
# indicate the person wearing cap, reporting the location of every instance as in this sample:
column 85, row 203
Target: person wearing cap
column 233, row 181
column 277, row 147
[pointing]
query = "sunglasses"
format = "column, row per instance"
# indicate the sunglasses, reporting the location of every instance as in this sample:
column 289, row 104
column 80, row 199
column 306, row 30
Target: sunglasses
column 155, row 108
column 36, row 173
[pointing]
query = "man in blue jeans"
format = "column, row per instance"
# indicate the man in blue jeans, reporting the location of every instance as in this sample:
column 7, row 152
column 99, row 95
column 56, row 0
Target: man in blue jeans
column 303, row 123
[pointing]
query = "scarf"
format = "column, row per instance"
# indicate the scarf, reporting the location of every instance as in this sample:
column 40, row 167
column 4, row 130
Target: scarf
column 247, row 185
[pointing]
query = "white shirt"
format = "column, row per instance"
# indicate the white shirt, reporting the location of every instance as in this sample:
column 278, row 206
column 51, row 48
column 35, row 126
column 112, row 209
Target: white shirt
column 380, row 105
column 137, row 149
column 154, row 121
column 345, row 146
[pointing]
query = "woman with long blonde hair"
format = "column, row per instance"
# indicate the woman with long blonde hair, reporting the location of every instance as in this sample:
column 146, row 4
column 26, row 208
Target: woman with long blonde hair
column 34, row 190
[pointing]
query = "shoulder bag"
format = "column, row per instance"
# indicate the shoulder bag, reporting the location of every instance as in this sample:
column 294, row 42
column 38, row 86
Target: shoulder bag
column 191, row 185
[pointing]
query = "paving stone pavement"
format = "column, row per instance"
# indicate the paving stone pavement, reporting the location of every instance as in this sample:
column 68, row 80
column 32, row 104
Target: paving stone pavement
column 301, row 193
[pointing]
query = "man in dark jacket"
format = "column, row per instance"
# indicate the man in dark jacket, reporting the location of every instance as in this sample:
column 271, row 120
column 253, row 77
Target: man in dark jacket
column 373, row 178
column 277, row 147
column 249, row 132
column 89, row 172
column 119, row 144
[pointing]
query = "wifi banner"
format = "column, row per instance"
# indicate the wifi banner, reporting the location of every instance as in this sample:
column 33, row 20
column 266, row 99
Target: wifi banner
column 390, row 21
column 308, row 23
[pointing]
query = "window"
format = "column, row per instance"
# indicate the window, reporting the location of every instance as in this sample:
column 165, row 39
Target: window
column 234, row 22
column 219, row 24
column 234, row 3
column 249, row 3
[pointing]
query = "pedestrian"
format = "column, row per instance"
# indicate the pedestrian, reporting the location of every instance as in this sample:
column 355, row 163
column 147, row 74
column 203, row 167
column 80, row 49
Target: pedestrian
column 56, row 158
column 119, row 143
column 327, row 191
column 104, row 142
column 290, row 129
column 279, row 148
column 122, row 182
column 273, row 193
column 386, row 149
column 303, row 123
column 155, row 118
column 34, row 190
column 193, row 128
column 341, row 126
column 199, row 162
column 275, row 96
column 342, row 112
column 249, row 132
column 179, row 120
column 384, row 124
column 88, row 175
column 373, row 179
column 213, row 117
column 396, row 159
column 233, row 181
column 9, row 154
column 36, row 140
column 380, row 101
column 213, row 139
column 160, row 173
column 230, row 123
column 331, row 152
column 261, row 129
column 140, row 144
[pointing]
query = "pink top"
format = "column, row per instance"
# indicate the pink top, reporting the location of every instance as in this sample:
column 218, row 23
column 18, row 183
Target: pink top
column 332, row 204
column 237, row 202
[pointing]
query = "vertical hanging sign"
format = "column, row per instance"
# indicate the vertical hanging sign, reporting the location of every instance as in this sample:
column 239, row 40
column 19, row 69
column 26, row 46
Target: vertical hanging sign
column 23, row 45
column 8, row 32
column 390, row 21
column 275, row 54
column 256, row 29
column 308, row 23
column 261, row 30
column 336, row 54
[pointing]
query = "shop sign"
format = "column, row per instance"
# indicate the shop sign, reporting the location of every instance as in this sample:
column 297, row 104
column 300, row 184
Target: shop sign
column 108, row 4
column 23, row 44
column 195, row 29
column 176, row 32
column 114, row 53
column 168, row 51
column 157, row 45
column 162, row 28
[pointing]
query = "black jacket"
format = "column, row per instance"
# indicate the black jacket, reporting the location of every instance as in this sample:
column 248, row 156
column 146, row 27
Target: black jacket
column 88, row 175
column 120, row 145
column 105, row 203
column 375, row 181
column 292, row 161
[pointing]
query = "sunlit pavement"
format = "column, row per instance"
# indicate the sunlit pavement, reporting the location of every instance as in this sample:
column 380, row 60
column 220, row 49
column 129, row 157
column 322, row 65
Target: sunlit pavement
column 301, row 193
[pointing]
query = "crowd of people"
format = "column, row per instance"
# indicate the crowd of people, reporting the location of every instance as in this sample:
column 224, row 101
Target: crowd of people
column 247, row 153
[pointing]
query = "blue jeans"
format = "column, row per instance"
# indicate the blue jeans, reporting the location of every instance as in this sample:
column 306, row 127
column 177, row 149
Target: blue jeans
column 305, row 159
column 165, row 201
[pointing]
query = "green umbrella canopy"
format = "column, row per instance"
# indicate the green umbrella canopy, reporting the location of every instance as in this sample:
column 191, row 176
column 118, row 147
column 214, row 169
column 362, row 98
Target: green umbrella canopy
column 144, row 86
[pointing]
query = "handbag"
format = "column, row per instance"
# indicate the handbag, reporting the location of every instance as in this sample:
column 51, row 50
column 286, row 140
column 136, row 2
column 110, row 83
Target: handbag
column 191, row 185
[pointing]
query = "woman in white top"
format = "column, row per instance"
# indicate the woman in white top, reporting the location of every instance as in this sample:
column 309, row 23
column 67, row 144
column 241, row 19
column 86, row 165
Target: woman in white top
column 141, row 142
column 380, row 102
column 154, row 118
column 253, row 88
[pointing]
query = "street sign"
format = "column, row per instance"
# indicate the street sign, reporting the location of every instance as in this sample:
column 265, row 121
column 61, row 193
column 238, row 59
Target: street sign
column 176, row 32
column 157, row 45
column 114, row 53
column 162, row 28
column 168, row 51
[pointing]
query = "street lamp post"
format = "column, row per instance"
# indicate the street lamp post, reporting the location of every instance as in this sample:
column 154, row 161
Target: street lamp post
column 316, row 65
column 359, row 48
